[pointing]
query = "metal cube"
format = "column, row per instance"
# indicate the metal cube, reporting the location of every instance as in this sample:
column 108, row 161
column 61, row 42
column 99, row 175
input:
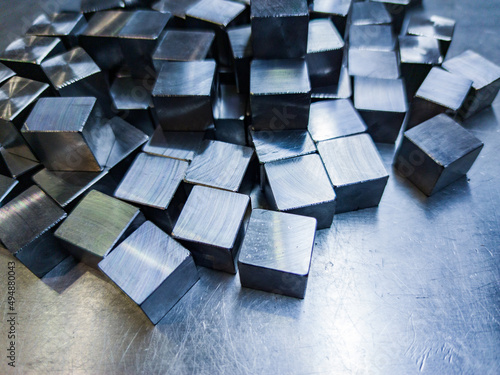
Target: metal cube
column 271, row 146
column 211, row 226
column 342, row 90
column 230, row 115
column 27, row 225
column 176, row 145
column 240, row 39
column 181, row 95
column 436, row 153
column 25, row 55
column 5, row 73
column 175, row 7
column 280, row 94
column 68, row 134
column 96, row 226
column 441, row 92
column 372, row 37
column 89, row 6
column 152, row 269
column 336, row 10
column 279, row 28
column 382, row 104
column 369, row 13
column 7, row 189
column 436, row 27
column 276, row 253
column 356, row 171
column 397, row 10
column 485, row 77
column 66, row 26
column 301, row 186
column 373, row 64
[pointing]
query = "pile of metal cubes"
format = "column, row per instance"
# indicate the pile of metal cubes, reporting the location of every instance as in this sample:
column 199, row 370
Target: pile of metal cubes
column 143, row 138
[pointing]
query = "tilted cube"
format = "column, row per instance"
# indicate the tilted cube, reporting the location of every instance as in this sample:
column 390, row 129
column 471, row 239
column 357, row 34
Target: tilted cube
column 373, row 64
column 176, row 145
column 372, row 37
column 397, row 9
column 240, row 38
column 337, row 10
column 276, row 253
column 230, row 109
column 436, row 27
column 436, row 153
column 175, row 7
column 66, row 26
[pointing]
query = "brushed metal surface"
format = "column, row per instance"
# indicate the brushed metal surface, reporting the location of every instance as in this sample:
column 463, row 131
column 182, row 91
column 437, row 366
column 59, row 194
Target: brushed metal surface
column 273, row 77
column 373, row 64
column 230, row 109
column 183, row 45
column 220, row 13
column 219, row 164
column 342, row 90
column 177, row 8
column 176, row 145
column 333, row 119
column 89, row 6
column 337, row 7
column 56, row 24
column 284, row 144
column 5, row 73
column 276, row 253
column 14, row 165
column 7, row 184
column 437, row 27
column 240, row 42
column 372, row 37
column 419, row 50
column 369, row 13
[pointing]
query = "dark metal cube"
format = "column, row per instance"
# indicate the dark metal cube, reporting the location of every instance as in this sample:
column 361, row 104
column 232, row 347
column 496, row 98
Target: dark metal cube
column 230, row 115
column 176, row 145
column 337, row 10
column 436, row 27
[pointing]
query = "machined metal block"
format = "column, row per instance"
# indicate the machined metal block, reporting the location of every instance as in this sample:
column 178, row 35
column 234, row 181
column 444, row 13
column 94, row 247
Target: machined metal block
column 7, row 189
column 342, row 90
column 383, row 105
column 175, row 7
column 485, row 77
column 175, row 145
column 240, row 39
column 25, row 55
column 279, row 28
column 160, row 198
column 301, row 186
column 280, row 94
column 271, row 146
column 436, row 27
column 68, row 134
column 369, row 13
column 74, row 73
column 334, row 119
column 221, row 165
column 66, row 26
column 336, row 10
column 152, row 269
column 325, row 49
column 211, row 226
column 16, row 166
column 372, row 37
column 90, row 6
column 5, row 73
column 356, row 171
column 27, row 225
column 373, row 64
column 441, row 92
column 436, row 153
column 230, row 115
column 397, row 10
column 218, row 15
column 418, row 55
column 97, row 225
column 181, row 95
column 276, row 252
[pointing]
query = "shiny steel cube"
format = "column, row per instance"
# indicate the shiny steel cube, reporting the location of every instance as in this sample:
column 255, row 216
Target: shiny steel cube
column 97, row 225
column 369, row 13
column 5, row 73
column 176, row 145
column 240, row 38
column 276, row 253
column 373, row 64
column 436, row 27
column 436, row 153
column 175, row 7
column 397, row 10
column 152, row 269
column 181, row 95
column 211, row 226
column 271, row 146
column 337, row 10
column 66, row 26
column 27, row 225
column 372, row 37
column 230, row 115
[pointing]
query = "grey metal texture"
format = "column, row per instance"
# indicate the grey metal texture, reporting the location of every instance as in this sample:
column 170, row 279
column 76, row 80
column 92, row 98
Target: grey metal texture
column 176, row 145
column 343, row 90
column 181, row 95
column 68, row 134
column 369, row 13
column 152, row 269
column 242, row 53
column 436, row 153
column 66, row 26
column 382, row 104
column 90, row 6
column 5, row 73
column 331, row 7
column 325, row 50
column 229, row 111
column 280, row 94
column 221, row 165
column 485, row 77
column 177, row 8
column 356, row 171
column 301, row 186
column 441, row 92
column 211, row 226
column 284, row 144
column 279, row 28
column 153, row 183
column 96, row 226
column 25, row 55
column 333, row 119
column 437, row 27
column 27, row 226
column 372, row 37
column 7, row 187
column 373, row 64
column 16, row 166
column 276, row 252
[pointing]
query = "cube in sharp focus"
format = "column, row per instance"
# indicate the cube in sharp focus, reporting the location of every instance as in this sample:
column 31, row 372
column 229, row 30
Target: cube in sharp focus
column 284, row 144
column 372, row 37
column 436, row 153
column 301, row 186
column 356, row 171
column 279, row 28
column 485, row 77
column 369, row 13
column 325, row 49
column 382, row 104
column 280, row 94
column 181, row 95
column 211, row 226
column 441, row 92
column 68, row 134
column 436, row 27
column 336, row 10
column 66, row 26
column 330, row 119
column 230, row 115
column 374, row 64
column 97, row 225
column 25, row 55
column 242, row 53
column 276, row 252
column 221, row 165
column 159, row 197
column 176, row 145
column 27, row 225
column 152, row 269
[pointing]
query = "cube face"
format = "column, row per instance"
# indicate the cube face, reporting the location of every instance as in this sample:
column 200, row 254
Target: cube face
column 176, row 145
column 183, row 45
column 174, row 7
column 372, row 37
column 276, row 252
column 5, row 73
column 230, row 109
column 220, row 13
column 56, row 24
column 436, row 27
column 369, row 13
column 334, row 7
column 373, row 64
column 271, row 146
column 419, row 50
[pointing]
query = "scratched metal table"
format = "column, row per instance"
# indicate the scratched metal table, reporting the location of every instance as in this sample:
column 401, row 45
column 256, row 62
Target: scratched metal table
column 411, row 287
